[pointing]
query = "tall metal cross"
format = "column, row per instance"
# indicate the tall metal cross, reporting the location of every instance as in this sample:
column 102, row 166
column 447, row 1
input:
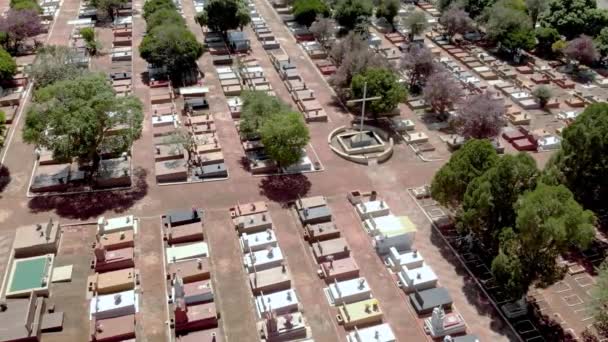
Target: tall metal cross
column 363, row 100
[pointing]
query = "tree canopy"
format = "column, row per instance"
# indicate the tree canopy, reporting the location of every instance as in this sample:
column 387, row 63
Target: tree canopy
column 224, row 15
column 88, row 35
column 281, row 130
column 20, row 5
column 549, row 221
column 601, row 42
column 164, row 16
column 284, row 136
column 77, row 117
column 306, row 11
column 323, row 29
column 582, row 161
column 441, row 91
column 416, row 23
column 455, row 21
column 380, row 82
column 510, row 26
column 480, row 116
column 546, row 37
column 451, row 181
column 107, row 7
column 152, row 6
column 582, row 49
column 572, row 18
column 419, row 63
column 257, row 107
column 543, row 94
column 8, row 66
column 600, row 306
column 18, row 26
column 489, row 201
column 353, row 55
column 173, row 46
column 535, row 8
column 388, row 9
column 349, row 12
column 54, row 63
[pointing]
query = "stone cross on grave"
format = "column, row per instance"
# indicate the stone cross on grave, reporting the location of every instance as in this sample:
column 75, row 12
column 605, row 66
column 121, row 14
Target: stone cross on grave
column 363, row 100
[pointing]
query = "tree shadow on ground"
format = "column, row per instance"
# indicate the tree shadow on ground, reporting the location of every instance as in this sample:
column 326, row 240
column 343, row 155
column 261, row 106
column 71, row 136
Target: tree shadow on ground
column 93, row 204
column 284, row 188
column 472, row 292
column 5, row 177
column 547, row 326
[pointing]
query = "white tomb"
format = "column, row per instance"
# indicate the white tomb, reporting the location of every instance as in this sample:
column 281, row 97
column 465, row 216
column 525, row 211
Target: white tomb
column 419, row 279
column 263, row 260
column 391, row 231
column 187, row 251
column 114, row 305
column 372, row 209
column 258, row 241
column 116, row 224
column 550, row 142
column 303, row 165
column 397, row 261
column 348, row 291
column 376, row 333
column 280, row 302
column 440, row 324
column 202, row 293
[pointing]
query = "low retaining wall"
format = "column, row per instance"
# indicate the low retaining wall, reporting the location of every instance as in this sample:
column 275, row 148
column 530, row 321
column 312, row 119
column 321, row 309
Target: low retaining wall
column 380, row 158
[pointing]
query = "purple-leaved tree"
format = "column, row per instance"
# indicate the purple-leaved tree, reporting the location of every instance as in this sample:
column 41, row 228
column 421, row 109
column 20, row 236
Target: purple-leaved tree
column 480, row 116
column 20, row 25
column 441, row 91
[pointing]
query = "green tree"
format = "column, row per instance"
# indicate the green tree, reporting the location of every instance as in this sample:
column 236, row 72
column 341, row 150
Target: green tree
column 380, row 82
column 543, row 94
column 546, row 37
column 8, row 66
column 489, row 200
column 476, row 7
column 257, row 107
column 20, row 5
column 284, row 136
column 306, row 11
column 451, row 181
column 201, row 18
column 152, row 6
column 88, row 34
column 535, row 8
column 75, row 118
column 388, row 9
column 107, row 7
column 549, row 221
column 582, row 161
column 349, row 12
column 600, row 307
column 601, row 42
column 54, row 63
column 571, row 18
column 416, row 23
column 164, row 16
column 173, row 46
column 224, row 15
column 182, row 139
column 510, row 26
